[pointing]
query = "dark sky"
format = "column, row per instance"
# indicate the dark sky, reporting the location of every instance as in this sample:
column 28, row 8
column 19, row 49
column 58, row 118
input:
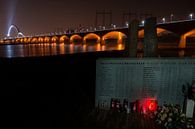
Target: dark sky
column 44, row 16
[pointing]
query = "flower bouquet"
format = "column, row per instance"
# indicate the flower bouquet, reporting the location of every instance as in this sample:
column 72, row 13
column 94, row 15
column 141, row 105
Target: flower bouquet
column 171, row 117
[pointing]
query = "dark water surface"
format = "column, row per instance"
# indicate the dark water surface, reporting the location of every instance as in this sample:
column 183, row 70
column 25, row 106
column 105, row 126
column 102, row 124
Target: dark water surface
column 50, row 49
column 53, row 49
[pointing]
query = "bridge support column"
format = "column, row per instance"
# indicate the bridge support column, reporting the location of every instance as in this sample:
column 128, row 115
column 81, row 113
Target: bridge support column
column 182, row 43
column 131, row 45
column 150, row 38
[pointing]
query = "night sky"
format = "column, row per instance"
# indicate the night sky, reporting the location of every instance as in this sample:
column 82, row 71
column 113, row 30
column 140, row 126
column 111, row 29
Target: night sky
column 45, row 16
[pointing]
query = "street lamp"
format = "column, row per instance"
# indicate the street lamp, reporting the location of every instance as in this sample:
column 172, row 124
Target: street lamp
column 172, row 17
column 126, row 24
column 163, row 19
column 114, row 26
column 143, row 22
column 191, row 16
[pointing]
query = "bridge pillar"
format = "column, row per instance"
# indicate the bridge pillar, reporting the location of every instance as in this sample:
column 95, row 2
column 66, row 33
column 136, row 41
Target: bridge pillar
column 182, row 43
column 131, row 45
column 150, row 38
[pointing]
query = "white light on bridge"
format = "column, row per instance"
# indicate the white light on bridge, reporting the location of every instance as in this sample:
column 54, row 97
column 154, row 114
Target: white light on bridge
column 127, row 24
column 163, row 20
column 143, row 22
column 191, row 16
column 114, row 26
column 172, row 17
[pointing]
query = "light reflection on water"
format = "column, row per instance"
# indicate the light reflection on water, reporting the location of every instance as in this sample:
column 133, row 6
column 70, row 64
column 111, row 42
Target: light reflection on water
column 48, row 49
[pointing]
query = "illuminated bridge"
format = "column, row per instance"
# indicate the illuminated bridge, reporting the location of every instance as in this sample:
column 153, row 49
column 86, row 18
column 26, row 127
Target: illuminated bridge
column 182, row 29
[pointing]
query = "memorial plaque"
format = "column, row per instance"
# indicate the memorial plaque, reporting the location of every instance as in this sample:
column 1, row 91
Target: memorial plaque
column 134, row 79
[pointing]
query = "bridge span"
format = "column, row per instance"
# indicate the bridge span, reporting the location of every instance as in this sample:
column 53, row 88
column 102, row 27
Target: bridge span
column 182, row 29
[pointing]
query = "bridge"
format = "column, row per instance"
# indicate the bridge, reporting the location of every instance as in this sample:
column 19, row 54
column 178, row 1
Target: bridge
column 182, row 29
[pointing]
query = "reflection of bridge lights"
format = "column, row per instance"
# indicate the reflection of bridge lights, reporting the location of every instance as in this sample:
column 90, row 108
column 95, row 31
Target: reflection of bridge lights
column 84, row 47
column 103, row 47
column 181, row 53
column 98, row 47
column 120, row 46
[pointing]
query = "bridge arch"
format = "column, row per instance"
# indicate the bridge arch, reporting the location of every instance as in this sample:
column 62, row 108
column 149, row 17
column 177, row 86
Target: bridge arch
column 114, row 37
column 54, row 39
column 21, row 40
column 64, row 39
column 91, row 38
column 18, row 40
column 18, row 33
column 47, row 39
column 76, row 39
column 25, row 40
column 34, row 40
column 159, row 31
column 29, row 40
column 11, row 28
column 40, row 39
column 182, row 43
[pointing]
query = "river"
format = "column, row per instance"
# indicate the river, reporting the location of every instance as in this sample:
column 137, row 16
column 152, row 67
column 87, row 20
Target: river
column 53, row 49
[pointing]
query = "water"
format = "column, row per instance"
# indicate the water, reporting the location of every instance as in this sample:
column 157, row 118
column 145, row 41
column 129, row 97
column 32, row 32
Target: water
column 47, row 49
column 50, row 49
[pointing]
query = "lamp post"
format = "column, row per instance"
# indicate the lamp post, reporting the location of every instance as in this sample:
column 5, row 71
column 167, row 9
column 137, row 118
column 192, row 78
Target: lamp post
column 114, row 26
column 143, row 22
column 163, row 20
column 172, row 17
column 191, row 16
column 126, row 24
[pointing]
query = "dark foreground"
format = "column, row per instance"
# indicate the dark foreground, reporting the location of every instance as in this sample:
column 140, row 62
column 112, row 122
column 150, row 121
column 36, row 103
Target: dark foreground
column 56, row 92
column 109, row 119
column 48, row 92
